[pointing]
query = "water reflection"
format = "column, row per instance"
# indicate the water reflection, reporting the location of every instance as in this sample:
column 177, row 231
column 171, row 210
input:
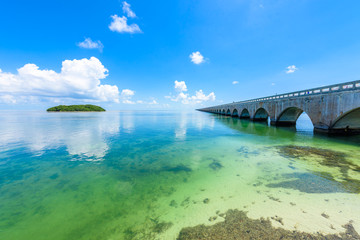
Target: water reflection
column 180, row 130
column 82, row 134
column 127, row 122
column 201, row 122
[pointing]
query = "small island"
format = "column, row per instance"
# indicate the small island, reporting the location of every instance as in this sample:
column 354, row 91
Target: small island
column 76, row 108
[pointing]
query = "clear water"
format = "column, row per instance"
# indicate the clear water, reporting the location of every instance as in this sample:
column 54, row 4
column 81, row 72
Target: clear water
column 146, row 175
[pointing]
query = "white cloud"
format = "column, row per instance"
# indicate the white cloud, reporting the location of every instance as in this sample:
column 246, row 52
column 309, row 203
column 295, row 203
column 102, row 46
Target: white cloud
column 89, row 44
column 126, row 95
column 78, row 79
column 200, row 97
column 153, row 102
column 126, row 9
column 235, row 82
column 119, row 24
column 291, row 69
column 180, row 86
column 181, row 97
column 185, row 98
column 197, row 58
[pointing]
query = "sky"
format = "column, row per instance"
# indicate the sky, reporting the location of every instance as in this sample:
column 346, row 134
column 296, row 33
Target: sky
column 142, row 55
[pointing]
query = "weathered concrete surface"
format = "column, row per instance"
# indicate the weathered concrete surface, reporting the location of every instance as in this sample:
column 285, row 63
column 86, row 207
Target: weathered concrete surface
column 332, row 109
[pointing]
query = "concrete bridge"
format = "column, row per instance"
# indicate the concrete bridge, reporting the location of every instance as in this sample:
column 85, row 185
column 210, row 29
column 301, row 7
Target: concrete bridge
column 332, row 109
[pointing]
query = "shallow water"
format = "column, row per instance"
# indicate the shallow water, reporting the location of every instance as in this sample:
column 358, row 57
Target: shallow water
column 146, row 175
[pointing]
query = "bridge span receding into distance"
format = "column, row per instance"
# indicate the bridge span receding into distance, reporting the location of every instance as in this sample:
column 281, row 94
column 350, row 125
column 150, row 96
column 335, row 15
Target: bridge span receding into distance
column 332, row 109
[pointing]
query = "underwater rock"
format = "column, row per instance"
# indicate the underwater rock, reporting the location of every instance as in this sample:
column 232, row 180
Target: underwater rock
column 245, row 151
column 215, row 165
column 173, row 203
column 186, row 202
column 238, row 226
column 206, row 200
column 278, row 219
column 161, row 226
column 176, row 169
column 257, row 184
column 273, row 198
column 212, row 218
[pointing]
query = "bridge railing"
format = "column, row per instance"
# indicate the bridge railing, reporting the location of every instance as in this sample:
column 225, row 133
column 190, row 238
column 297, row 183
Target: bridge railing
column 347, row 86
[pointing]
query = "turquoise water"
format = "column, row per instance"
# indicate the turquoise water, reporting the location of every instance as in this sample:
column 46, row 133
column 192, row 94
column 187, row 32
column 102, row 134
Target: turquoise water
column 146, row 175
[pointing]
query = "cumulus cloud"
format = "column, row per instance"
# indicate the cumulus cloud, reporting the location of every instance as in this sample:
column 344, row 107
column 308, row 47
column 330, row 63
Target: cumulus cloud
column 185, row 98
column 126, row 95
column 196, row 57
column 180, row 86
column 235, row 82
column 126, row 9
column 90, row 44
column 291, row 69
column 200, row 97
column 78, row 79
column 119, row 24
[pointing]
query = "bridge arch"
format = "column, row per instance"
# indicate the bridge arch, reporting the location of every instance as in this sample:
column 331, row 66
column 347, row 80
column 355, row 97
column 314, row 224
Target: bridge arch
column 350, row 121
column 289, row 116
column 223, row 112
column 261, row 115
column 235, row 113
column 228, row 112
column 245, row 113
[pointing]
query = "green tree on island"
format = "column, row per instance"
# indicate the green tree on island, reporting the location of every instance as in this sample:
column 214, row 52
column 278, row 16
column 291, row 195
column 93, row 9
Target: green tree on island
column 76, row 108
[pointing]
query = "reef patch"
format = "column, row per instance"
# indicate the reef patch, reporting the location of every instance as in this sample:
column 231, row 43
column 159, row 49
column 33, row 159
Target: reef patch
column 238, row 226
column 326, row 157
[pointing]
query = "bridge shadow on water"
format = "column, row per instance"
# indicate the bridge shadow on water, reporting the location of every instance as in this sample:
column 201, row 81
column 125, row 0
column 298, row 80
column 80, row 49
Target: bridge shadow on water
column 303, row 129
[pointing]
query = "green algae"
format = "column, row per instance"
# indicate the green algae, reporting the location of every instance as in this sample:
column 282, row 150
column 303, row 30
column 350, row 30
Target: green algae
column 238, row 226
column 325, row 182
column 326, row 157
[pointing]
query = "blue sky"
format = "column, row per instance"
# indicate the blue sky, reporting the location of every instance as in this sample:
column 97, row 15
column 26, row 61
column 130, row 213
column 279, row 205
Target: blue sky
column 65, row 52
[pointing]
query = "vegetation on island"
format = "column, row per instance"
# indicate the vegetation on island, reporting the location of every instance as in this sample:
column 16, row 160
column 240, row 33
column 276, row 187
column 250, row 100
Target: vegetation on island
column 76, row 108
